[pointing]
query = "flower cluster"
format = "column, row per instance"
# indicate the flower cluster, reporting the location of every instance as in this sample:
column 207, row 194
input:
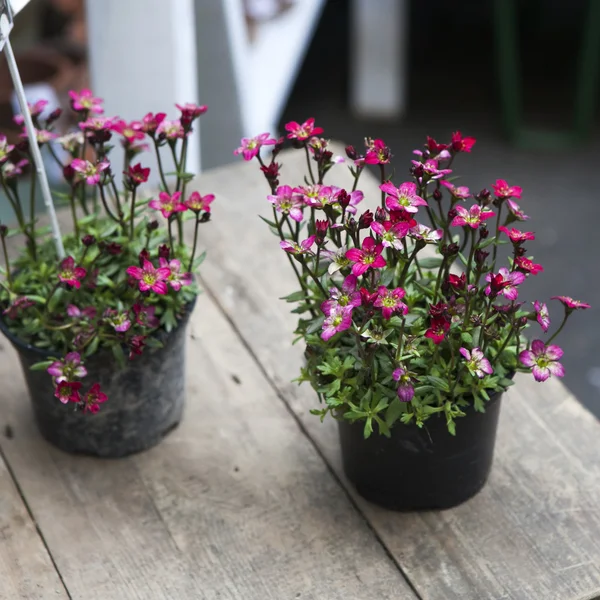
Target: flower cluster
column 405, row 308
column 128, row 270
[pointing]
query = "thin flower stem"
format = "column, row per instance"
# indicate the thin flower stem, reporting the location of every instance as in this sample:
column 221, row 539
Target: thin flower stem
column 15, row 202
column 6, row 261
column 567, row 314
column 406, row 266
column 310, row 171
column 105, row 204
column 52, row 291
column 74, row 212
column 132, row 214
column 170, row 221
column 160, row 166
column 180, row 166
column 439, row 279
column 179, row 219
column 400, row 341
column 32, row 214
column 359, row 171
column 314, row 277
column 482, row 341
column 505, row 343
column 382, row 174
column 195, row 241
column 496, row 243
column 471, row 253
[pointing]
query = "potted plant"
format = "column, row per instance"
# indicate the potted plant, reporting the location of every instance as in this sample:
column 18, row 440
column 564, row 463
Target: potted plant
column 80, row 307
column 410, row 314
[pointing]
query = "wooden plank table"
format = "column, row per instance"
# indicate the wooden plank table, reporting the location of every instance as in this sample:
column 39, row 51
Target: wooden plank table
column 247, row 500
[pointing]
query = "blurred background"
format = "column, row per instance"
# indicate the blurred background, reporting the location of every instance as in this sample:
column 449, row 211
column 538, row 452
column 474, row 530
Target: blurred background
column 519, row 75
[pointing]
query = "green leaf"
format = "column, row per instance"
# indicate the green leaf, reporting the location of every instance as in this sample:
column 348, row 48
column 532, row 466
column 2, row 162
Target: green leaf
column 368, row 428
column 295, row 297
column 93, row 346
column 466, row 337
column 269, row 223
column 430, row 262
column 41, row 366
column 438, row 382
column 118, row 353
column 387, row 276
column 395, row 409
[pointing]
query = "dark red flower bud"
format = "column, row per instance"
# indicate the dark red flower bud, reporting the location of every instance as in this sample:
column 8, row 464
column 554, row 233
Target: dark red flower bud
column 278, row 146
column 449, row 249
column 68, row 173
column 321, row 227
column 152, row 225
column 113, row 248
column 23, row 145
column 476, row 320
column 205, row 218
column 523, row 321
column 417, row 170
column 366, row 297
column 452, row 213
column 520, row 251
column 99, row 137
column 483, row 232
column 480, row 257
column 438, row 310
column 164, row 251
column 365, row 220
column 483, row 197
column 437, row 195
column 144, row 255
column 351, row 152
column 343, row 198
column 380, row 215
column 54, row 116
column 88, row 240
column 271, row 171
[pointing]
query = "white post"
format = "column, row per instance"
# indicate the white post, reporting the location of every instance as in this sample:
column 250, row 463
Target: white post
column 143, row 59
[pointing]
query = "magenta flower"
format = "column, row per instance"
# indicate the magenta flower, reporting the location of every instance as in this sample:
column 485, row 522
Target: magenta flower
column 172, row 130
column 377, row 153
column 503, row 190
column 43, row 136
column 527, row 266
column 516, row 236
column 94, row 398
column 426, row 234
column 137, row 174
column 542, row 315
column 35, row 110
column 5, row 149
column 294, row 248
column 347, row 296
column 543, row 360
column 571, row 304
column 341, row 199
column 191, row 111
column 168, row 204
column 462, row 144
column 406, row 390
column 68, row 369
column 368, row 257
column 197, row 203
column 68, row 391
column 76, row 313
column 176, row 279
column 390, row 301
column 287, row 202
column 304, row 131
column 431, row 168
column 144, row 315
column 150, row 278
column 460, row 192
column 316, row 195
column 339, row 319
column 472, row 217
column 120, row 322
column 96, row 124
column 88, row 171
column 130, row 131
column 391, row 233
column 10, row 170
column 516, row 210
column 505, row 283
column 19, row 304
column 477, row 363
column 250, row 147
column 69, row 273
column 403, row 198
column 438, row 327
column 84, row 101
column 150, row 122
column 136, row 345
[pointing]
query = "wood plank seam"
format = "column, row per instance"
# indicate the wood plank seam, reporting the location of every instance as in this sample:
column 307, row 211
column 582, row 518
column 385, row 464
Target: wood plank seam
column 209, row 292
column 35, row 523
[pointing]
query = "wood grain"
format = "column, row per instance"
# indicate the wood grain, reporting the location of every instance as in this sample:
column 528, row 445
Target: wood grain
column 26, row 570
column 234, row 504
column 532, row 534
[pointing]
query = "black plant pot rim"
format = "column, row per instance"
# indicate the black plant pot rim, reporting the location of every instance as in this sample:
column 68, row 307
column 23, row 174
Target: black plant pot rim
column 21, row 345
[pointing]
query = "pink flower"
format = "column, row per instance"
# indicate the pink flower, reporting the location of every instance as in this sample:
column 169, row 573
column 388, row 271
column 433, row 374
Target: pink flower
column 144, row 315
column 287, row 202
column 71, row 142
column 293, row 248
column 369, row 257
column 130, row 131
column 250, row 147
column 504, row 283
column 406, row 391
column 316, row 195
column 197, row 203
column 136, row 345
column 516, row 210
column 168, row 204
column 5, row 149
column 137, row 174
column 438, row 327
column 426, row 234
column 19, row 304
column 120, row 322
column 68, row 391
column 542, row 315
column 341, row 199
column 35, row 110
column 462, row 144
column 150, row 122
column 543, row 360
column 68, row 369
column 77, row 313
column 472, row 217
column 339, row 319
column 172, row 130
column 190, row 112
column 304, row 131
column 571, row 304
column 391, row 233
column 84, row 101
column 88, row 171
column 403, row 198
column 347, row 296
column 94, row 398
column 42, row 136
column 516, row 236
column 377, row 153
column 69, row 273
column 175, row 278
column 150, row 278
column 96, row 124
column 430, row 168
column 10, row 170
column 503, row 190
column 460, row 193
column 390, row 301
column 477, row 363
column 527, row 266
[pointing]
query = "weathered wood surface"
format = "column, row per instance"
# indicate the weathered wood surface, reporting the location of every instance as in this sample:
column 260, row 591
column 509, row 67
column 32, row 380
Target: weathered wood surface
column 26, row 569
column 532, row 534
column 234, row 504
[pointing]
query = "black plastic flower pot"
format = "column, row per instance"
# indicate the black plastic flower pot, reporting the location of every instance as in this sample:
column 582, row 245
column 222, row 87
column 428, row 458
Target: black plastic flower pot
column 422, row 469
column 145, row 399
